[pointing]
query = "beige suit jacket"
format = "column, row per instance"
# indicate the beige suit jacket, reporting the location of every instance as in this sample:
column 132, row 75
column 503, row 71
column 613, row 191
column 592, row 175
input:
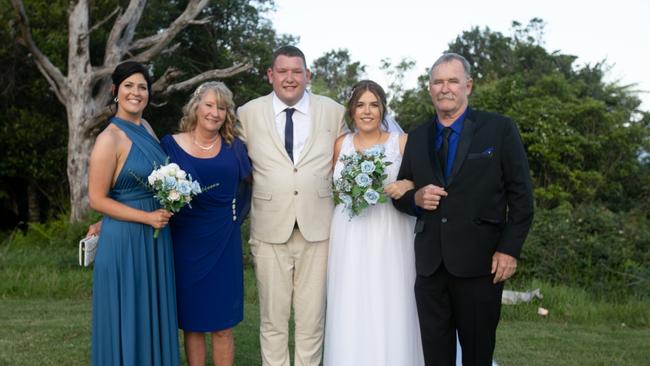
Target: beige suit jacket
column 284, row 194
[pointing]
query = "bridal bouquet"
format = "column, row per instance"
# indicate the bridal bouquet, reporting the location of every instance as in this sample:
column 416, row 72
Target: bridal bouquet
column 173, row 188
column 362, row 180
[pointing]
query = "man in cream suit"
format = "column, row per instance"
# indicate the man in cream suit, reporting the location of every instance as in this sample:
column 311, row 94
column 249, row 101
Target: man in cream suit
column 290, row 136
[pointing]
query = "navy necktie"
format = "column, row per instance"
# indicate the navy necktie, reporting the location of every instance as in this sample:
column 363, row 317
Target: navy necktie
column 288, row 132
column 443, row 151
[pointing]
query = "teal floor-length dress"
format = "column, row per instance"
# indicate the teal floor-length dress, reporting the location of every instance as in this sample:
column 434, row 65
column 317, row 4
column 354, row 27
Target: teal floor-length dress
column 134, row 295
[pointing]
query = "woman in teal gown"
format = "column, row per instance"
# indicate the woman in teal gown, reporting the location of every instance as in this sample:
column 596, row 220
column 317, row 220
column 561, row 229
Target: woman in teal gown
column 134, row 295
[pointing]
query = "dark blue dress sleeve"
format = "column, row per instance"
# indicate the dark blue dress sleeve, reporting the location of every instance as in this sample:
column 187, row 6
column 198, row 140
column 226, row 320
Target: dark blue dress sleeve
column 244, row 189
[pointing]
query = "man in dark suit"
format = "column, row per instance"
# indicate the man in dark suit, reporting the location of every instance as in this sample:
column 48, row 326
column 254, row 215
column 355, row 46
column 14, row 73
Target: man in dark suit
column 474, row 205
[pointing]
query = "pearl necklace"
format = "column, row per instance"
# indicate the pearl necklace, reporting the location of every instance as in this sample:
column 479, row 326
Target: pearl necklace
column 205, row 148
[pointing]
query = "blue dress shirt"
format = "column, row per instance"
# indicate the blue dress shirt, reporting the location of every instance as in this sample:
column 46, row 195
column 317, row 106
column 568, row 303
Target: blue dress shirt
column 456, row 127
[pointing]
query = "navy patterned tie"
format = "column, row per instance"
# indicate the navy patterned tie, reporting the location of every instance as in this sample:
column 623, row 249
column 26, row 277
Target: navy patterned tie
column 288, row 132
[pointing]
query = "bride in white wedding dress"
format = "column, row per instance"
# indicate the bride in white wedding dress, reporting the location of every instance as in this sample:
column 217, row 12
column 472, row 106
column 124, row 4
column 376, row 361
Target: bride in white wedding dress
column 371, row 317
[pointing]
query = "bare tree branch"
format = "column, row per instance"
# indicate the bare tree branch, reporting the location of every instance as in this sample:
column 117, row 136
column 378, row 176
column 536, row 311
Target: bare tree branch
column 165, row 89
column 153, row 39
column 171, row 49
column 145, row 42
column 205, row 20
column 101, row 22
column 155, row 44
column 164, row 86
column 122, row 33
column 193, row 8
column 167, row 78
column 52, row 74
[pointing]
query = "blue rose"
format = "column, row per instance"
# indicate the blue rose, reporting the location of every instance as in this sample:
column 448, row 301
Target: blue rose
column 347, row 200
column 196, row 187
column 371, row 196
column 367, row 167
column 170, row 182
column 375, row 151
column 184, row 188
column 363, row 180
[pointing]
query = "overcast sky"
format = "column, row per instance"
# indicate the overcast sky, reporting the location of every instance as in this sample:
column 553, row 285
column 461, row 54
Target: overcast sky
column 616, row 31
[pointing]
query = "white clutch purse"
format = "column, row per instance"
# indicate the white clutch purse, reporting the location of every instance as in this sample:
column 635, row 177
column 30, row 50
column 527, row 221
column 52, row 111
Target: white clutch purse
column 87, row 250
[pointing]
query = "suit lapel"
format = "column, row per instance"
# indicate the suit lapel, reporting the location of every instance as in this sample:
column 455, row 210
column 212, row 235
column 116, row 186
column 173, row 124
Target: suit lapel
column 269, row 120
column 431, row 148
column 463, row 147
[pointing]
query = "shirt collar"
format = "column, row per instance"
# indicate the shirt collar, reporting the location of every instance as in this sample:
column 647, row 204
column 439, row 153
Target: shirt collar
column 302, row 106
column 456, row 126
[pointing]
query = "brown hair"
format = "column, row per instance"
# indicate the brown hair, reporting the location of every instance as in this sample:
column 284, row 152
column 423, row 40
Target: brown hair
column 357, row 90
column 224, row 98
column 289, row 51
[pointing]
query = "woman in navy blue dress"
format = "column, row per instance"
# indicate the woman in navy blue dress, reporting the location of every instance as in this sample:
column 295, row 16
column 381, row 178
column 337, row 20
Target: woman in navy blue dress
column 206, row 237
column 134, row 310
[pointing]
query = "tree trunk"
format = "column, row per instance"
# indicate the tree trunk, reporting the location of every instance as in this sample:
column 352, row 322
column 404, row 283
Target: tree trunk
column 80, row 144
column 75, row 90
column 79, row 106
column 79, row 147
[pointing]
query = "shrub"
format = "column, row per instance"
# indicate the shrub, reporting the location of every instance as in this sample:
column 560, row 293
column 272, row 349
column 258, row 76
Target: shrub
column 589, row 246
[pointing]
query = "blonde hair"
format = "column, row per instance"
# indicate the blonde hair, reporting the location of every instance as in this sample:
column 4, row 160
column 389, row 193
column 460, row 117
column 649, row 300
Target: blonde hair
column 224, row 98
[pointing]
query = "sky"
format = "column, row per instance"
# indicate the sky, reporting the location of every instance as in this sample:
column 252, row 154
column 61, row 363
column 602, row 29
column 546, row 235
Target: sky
column 615, row 31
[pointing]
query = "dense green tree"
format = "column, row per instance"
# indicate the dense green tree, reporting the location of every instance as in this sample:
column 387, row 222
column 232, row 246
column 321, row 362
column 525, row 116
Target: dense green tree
column 584, row 136
column 224, row 33
column 32, row 126
column 333, row 74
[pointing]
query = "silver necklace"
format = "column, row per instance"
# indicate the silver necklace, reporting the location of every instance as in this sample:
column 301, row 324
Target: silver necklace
column 205, row 148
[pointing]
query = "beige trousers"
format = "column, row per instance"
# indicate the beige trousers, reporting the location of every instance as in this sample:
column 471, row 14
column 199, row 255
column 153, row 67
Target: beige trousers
column 293, row 273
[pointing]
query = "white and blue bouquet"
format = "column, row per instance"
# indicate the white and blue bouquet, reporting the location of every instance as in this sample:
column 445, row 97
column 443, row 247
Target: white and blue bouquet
column 173, row 188
column 362, row 180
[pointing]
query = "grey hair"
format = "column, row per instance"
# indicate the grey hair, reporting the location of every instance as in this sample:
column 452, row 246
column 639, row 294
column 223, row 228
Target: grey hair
column 449, row 57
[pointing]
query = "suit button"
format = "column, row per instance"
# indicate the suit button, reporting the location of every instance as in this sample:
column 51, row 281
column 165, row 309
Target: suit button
column 443, row 220
column 295, row 170
column 295, row 193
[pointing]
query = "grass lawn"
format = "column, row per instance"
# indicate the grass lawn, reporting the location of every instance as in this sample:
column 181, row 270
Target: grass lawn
column 45, row 312
column 57, row 332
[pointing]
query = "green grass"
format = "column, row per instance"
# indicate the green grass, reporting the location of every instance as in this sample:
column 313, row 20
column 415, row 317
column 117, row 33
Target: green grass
column 45, row 312
column 57, row 332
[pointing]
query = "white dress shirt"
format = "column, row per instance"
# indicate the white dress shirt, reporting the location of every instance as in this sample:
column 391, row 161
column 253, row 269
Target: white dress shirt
column 301, row 122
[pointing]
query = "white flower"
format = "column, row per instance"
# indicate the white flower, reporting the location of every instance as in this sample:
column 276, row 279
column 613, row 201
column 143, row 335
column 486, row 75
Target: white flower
column 174, row 196
column 171, row 169
column 180, row 174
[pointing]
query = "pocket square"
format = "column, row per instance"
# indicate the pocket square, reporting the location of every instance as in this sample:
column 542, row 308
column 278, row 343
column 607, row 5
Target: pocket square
column 486, row 154
column 489, row 151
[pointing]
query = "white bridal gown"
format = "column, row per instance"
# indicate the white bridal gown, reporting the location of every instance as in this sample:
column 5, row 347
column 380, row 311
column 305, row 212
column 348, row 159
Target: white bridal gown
column 371, row 312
